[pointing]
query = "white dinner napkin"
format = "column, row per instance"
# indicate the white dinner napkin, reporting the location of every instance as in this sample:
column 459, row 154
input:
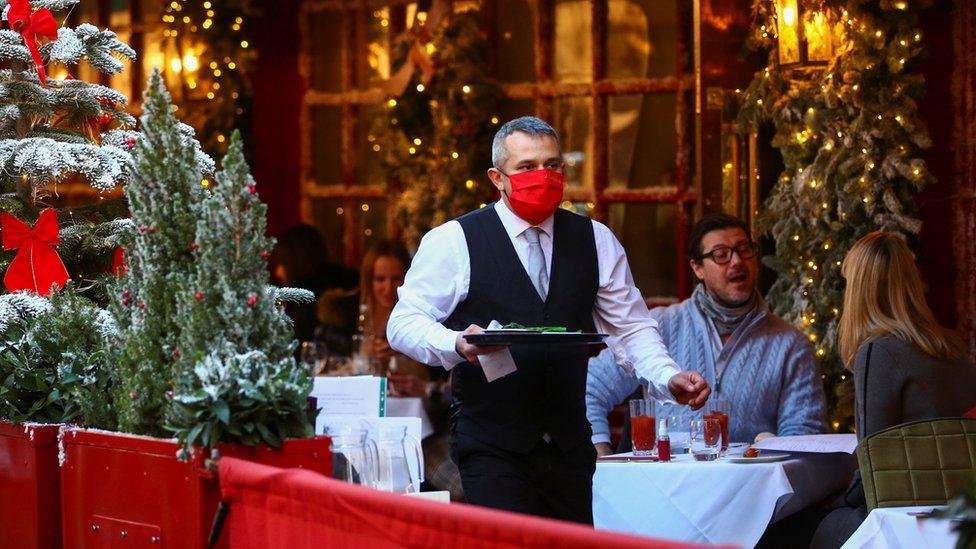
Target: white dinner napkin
column 498, row 364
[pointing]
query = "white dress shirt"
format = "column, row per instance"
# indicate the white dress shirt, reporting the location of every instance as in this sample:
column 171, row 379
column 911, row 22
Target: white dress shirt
column 439, row 278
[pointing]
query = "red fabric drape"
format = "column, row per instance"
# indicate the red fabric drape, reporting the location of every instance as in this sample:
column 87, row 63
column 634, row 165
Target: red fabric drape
column 293, row 508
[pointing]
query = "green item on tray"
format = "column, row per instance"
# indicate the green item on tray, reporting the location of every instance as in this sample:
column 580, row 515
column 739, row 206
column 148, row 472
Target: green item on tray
column 541, row 329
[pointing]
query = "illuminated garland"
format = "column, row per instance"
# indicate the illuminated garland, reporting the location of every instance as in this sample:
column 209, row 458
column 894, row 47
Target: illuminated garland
column 435, row 140
column 209, row 51
column 851, row 140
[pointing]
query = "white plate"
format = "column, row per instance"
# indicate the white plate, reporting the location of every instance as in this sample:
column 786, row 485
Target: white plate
column 759, row 459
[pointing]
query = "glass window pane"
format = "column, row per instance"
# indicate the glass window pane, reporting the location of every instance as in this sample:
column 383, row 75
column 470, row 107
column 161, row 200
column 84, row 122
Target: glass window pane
column 329, row 216
column 648, row 233
column 327, row 145
column 642, row 38
column 152, row 55
column 573, row 41
column 123, row 80
column 377, row 56
column 368, row 151
column 120, row 15
column 571, row 119
column 643, row 141
column 371, row 223
column 514, row 108
column 150, row 11
column 515, row 39
column 325, row 51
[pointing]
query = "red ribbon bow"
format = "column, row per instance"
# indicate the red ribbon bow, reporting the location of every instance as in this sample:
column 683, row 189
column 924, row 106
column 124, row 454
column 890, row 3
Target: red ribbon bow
column 30, row 24
column 37, row 266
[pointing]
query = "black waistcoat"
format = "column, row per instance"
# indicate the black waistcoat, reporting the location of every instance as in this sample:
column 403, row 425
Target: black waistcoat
column 547, row 393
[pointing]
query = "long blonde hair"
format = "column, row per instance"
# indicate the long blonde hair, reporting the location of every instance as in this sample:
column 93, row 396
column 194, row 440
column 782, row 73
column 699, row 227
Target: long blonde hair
column 885, row 295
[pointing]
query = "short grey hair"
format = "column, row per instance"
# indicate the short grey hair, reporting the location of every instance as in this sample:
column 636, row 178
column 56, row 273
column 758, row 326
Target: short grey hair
column 529, row 125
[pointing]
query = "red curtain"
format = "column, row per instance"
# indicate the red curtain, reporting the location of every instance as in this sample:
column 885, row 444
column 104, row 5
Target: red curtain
column 294, row 508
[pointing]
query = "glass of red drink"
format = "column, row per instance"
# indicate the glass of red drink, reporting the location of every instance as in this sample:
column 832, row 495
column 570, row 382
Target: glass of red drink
column 706, row 439
column 642, row 426
column 720, row 409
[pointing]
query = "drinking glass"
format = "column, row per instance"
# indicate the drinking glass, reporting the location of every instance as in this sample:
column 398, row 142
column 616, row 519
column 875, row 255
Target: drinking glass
column 720, row 409
column 679, row 429
column 643, row 435
column 706, row 439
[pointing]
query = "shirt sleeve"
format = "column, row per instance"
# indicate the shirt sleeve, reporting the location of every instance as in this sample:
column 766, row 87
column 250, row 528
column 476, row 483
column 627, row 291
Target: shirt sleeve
column 607, row 385
column 437, row 281
column 621, row 312
column 802, row 409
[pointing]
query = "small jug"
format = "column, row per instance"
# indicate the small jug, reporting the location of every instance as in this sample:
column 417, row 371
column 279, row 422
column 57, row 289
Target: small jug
column 355, row 458
column 395, row 474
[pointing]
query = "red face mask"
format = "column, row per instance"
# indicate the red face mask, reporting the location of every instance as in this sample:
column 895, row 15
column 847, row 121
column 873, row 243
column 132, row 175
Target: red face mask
column 536, row 194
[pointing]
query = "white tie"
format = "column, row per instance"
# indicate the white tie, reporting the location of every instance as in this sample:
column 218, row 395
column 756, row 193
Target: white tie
column 537, row 263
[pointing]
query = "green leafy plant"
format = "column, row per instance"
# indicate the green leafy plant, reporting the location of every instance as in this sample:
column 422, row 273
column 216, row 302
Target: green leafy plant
column 963, row 509
column 51, row 365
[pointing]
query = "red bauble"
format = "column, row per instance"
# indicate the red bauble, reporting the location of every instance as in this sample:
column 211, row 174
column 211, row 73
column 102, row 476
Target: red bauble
column 265, row 254
column 152, row 230
column 194, row 246
column 198, row 296
column 252, row 300
column 142, row 305
column 142, row 228
column 251, row 188
column 130, row 142
column 176, row 354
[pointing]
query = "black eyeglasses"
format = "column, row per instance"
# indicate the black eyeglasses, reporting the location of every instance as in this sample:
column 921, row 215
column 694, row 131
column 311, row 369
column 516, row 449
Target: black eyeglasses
column 723, row 254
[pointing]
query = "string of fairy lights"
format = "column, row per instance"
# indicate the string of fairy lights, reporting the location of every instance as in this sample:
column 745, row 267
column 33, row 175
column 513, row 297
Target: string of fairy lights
column 207, row 50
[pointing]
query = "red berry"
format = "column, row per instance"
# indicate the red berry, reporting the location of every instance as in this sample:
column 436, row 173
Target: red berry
column 169, row 394
column 106, row 101
column 142, row 228
column 130, row 142
column 251, row 300
column 126, row 293
column 198, row 296
column 142, row 305
column 126, row 301
column 194, row 246
column 265, row 254
column 176, row 354
column 152, row 230
column 251, row 188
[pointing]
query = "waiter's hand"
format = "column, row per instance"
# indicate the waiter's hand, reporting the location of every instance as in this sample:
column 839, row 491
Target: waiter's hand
column 470, row 352
column 603, row 449
column 689, row 388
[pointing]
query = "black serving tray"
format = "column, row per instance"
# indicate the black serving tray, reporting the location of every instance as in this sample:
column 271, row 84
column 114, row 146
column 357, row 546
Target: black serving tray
column 524, row 337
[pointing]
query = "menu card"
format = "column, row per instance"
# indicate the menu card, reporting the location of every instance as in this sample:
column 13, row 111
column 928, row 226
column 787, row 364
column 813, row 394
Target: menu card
column 351, row 396
column 817, row 444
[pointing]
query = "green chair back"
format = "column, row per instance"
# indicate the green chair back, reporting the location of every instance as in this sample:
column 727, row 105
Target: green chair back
column 919, row 463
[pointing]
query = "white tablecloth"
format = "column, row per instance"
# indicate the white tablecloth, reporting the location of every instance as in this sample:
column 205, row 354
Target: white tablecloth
column 712, row 502
column 410, row 407
column 893, row 527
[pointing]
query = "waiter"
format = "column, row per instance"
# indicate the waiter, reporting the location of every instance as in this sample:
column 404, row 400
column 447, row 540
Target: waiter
column 522, row 441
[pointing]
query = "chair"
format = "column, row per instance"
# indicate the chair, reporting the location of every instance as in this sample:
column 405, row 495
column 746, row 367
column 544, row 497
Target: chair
column 918, row 463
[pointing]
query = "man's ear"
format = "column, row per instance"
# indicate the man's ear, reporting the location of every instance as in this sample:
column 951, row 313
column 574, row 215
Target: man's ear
column 697, row 269
column 496, row 179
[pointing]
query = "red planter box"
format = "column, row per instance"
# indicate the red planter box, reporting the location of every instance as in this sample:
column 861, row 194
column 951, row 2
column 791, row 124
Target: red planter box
column 129, row 490
column 30, row 486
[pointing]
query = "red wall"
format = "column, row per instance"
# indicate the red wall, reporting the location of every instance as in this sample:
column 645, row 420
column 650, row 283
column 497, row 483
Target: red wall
column 935, row 253
column 278, row 91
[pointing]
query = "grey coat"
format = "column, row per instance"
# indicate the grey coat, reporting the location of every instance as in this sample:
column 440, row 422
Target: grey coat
column 894, row 383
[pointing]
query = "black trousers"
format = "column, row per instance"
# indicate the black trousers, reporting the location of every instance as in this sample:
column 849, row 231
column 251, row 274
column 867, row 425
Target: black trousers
column 545, row 482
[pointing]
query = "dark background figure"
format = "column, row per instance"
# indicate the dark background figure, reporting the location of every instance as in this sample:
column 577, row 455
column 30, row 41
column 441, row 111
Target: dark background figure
column 302, row 261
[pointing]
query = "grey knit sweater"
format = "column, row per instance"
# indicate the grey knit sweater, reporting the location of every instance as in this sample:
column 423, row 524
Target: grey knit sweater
column 766, row 370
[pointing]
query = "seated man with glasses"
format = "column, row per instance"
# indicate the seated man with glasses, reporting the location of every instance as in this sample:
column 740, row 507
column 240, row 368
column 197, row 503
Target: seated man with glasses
column 749, row 356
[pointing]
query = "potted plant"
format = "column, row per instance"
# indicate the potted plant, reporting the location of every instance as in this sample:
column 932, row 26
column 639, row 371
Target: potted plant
column 54, row 131
column 200, row 351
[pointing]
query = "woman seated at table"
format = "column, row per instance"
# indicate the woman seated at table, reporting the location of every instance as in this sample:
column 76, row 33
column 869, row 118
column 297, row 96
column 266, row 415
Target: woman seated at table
column 906, row 366
column 382, row 272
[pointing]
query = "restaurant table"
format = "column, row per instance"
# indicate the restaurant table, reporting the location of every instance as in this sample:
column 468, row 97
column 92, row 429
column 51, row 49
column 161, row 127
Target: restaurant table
column 894, row 527
column 410, row 407
column 715, row 502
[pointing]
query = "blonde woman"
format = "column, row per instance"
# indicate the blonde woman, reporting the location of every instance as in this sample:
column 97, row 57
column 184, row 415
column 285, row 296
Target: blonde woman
column 906, row 366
